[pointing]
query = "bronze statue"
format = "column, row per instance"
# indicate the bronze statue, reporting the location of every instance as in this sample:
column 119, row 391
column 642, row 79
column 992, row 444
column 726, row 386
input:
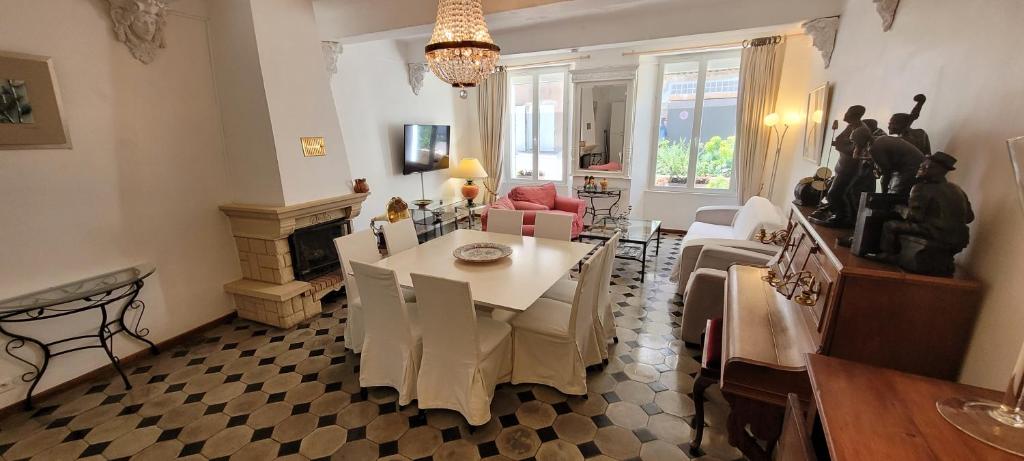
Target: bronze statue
column 895, row 159
column 900, row 125
column 933, row 228
column 839, row 211
column 872, row 125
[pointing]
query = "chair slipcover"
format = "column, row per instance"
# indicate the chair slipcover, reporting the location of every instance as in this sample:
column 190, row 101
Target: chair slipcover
column 564, row 290
column 360, row 246
column 392, row 347
column 557, row 226
column 553, row 342
column 400, row 236
column 464, row 357
column 505, row 222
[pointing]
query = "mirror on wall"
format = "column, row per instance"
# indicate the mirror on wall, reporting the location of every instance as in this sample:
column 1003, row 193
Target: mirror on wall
column 603, row 118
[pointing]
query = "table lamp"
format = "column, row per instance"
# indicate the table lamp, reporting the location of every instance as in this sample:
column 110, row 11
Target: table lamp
column 469, row 169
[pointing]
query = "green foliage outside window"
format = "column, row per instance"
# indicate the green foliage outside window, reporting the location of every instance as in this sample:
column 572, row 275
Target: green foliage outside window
column 714, row 163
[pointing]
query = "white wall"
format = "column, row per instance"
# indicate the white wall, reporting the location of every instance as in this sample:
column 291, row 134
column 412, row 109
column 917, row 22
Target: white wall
column 141, row 184
column 374, row 101
column 963, row 55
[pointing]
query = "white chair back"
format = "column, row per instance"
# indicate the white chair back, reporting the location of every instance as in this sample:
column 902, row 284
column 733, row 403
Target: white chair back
column 505, row 221
column 606, row 326
column 584, row 304
column 383, row 303
column 359, row 246
column 449, row 326
column 556, row 226
column 400, row 236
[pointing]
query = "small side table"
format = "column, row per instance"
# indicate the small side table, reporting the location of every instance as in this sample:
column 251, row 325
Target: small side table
column 107, row 296
column 592, row 209
column 471, row 212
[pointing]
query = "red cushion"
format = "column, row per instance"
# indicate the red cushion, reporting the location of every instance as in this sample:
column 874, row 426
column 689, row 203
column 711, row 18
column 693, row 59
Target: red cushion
column 529, row 206
column 610, row 166
column 541, row 195
column 712, row 357
column 503, row 204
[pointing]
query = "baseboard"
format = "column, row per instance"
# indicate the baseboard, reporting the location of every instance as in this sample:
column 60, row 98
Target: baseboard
column 673, row 231
column 109, row 368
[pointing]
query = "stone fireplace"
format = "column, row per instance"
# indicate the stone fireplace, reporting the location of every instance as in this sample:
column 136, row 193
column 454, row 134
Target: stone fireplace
column 278, row 287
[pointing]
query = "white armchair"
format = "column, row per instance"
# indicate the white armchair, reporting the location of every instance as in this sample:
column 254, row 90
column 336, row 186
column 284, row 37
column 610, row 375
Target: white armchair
column 727, row 226
column 704, row 295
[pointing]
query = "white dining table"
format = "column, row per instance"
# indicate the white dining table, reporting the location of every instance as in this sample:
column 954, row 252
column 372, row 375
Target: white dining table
column 513, row 283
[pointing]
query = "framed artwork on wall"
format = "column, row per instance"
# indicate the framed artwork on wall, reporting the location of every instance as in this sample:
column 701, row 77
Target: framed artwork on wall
column 817, row 122
column 31, row 116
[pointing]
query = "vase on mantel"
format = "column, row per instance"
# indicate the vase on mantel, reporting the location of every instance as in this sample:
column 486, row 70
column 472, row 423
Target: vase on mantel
column 360, row 186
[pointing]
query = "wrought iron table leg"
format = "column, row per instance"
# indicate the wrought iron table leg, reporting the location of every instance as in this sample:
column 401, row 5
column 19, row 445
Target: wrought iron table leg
column 643, row 263
column 105, row 334
column 657, row 245
column 18, row 342
column 131, row 305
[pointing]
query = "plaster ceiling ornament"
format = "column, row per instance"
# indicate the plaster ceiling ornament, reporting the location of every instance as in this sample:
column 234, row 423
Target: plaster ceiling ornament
column 332, row 51
column 461, row 51
column 416, row 72
column 139, row 24
column 887, row 10
column 823, row 35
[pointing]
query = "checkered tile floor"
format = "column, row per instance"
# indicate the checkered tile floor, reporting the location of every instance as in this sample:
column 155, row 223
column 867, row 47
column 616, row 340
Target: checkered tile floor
column 245, row 391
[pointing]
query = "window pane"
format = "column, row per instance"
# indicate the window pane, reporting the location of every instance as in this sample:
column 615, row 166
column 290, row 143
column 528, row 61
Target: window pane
column 718, row 125
column 675, row 126
column 522, row 127
column 550, row 129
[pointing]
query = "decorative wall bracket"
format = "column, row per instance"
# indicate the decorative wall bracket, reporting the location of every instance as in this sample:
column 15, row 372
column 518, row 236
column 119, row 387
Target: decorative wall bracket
column 139, row 24
column 823, row 35
column 887, row 10
column 416, row 72
column 332, row 50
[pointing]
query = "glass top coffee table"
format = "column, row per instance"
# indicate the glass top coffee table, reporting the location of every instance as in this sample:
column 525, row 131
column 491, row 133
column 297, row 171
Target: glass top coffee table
column 634, row 231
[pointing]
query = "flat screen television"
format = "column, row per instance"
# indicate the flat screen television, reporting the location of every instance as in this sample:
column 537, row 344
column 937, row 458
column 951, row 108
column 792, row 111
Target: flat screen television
column 426, row 148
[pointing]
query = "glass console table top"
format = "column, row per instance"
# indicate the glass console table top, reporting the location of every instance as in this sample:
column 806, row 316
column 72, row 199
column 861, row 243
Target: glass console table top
column 79, row 290
column 637, row 230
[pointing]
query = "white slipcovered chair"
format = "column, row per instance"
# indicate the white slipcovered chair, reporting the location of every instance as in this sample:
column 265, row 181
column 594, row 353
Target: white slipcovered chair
column 359, row 246
column 400, row 236
column 505, row 221
column 704, row 297
column 729, row 226
column 557, row 226
column 464, row 357
column 564, row 290
column 392, row 346
column 554, row 342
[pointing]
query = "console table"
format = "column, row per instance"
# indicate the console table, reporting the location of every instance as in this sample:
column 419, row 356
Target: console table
column 103, row 299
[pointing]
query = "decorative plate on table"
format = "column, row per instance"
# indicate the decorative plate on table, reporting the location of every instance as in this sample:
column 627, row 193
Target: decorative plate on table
column 482, row 252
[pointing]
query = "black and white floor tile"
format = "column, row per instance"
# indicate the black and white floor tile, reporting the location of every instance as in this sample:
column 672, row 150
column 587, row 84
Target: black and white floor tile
column 245, row 391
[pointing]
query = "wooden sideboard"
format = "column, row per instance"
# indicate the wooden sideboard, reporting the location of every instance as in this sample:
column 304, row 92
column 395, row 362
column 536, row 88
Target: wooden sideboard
column 869, row 413
column 875, row 313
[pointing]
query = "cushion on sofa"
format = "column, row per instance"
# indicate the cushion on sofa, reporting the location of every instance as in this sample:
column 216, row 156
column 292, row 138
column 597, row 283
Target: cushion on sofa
column 542, row 195
column 703, row 230
column 503, row 203
column 520, row 205
column 757, row 212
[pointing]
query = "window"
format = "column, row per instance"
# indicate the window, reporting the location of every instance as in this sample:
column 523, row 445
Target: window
column 697, row 113
column 538, row 126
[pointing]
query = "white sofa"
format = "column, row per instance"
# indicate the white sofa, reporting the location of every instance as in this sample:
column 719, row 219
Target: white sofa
column 726, row 226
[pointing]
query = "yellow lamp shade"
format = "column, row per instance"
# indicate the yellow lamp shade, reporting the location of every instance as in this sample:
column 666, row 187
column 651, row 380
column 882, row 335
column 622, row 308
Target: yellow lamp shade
column 792, row 118
column 771, row 119
column 469, row 168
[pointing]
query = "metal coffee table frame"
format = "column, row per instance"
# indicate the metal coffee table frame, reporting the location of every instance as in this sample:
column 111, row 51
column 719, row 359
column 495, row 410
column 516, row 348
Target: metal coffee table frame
column 117, row 299
column 638, row 254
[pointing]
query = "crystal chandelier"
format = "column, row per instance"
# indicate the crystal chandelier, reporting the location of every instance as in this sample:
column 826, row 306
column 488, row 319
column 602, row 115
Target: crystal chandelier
column 461, row 51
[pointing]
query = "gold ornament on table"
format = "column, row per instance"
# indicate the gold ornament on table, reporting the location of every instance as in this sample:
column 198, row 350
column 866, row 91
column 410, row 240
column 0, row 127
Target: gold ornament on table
column 461, row 51
column 779, row 237
column 397, row 209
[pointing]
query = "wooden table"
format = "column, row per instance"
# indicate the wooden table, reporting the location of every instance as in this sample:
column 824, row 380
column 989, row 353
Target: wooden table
column 512, row 284
column 871, row 413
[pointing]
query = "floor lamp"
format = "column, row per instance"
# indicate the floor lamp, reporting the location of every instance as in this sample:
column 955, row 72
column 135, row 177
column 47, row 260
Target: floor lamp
column 1000, row 424
column 772, row 121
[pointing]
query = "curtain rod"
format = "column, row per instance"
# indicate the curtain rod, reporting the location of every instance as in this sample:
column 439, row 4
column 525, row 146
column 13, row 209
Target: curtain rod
column 693, row 49
column 544, row 63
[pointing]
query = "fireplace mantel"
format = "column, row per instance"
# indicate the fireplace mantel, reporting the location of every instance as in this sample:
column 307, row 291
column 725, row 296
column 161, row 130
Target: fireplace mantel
column 275, row 222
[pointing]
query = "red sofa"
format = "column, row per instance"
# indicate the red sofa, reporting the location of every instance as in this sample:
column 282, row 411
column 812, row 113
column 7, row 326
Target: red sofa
column 543, row 199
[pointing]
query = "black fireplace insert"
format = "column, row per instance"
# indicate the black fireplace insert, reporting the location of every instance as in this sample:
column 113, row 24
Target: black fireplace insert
column 313, row 250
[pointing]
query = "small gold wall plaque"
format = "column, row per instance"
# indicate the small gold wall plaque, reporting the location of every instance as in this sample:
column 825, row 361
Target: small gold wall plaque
column 313, row 146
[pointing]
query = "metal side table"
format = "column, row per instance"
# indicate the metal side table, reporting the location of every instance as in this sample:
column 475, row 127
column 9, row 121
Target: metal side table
column 606, row 210
column 104, row 299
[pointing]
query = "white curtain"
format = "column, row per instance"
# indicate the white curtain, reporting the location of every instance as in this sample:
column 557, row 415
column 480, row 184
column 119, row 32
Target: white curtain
column 492, row 109
column 760, row 73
